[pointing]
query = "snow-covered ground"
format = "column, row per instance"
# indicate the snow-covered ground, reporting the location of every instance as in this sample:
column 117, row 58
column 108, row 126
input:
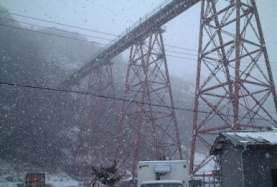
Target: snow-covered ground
column 10, row 176
column 61, row 180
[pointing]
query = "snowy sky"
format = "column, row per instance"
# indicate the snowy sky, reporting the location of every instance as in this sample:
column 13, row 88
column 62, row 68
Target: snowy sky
column 114, row 16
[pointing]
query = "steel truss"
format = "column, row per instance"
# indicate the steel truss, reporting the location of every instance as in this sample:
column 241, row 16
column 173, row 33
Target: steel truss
column 234, row 86
column 96, row 126
column 148, row 127
column 141, row 29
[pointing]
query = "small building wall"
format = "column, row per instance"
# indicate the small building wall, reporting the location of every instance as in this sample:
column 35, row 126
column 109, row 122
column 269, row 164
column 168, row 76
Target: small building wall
column 230, row 161
column 247, row 167
column 259, row 161
column 231, row 171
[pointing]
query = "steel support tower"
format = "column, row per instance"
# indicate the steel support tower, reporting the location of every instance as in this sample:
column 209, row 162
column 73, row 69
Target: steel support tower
column 234, row 86
column 148, row 127
column 97, row 127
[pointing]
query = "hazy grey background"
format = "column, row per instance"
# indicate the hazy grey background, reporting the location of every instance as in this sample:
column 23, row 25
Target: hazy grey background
column 115, row 16
column 42, row 117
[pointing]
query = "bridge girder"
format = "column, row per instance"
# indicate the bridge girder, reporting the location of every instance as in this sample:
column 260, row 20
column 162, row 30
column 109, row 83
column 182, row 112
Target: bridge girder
column 141, row 30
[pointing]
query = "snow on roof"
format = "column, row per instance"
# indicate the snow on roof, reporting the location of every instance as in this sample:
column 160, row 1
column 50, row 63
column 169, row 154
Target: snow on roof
column 163, row 182
column 244, row 138
column 252, row 137
column 161, row 161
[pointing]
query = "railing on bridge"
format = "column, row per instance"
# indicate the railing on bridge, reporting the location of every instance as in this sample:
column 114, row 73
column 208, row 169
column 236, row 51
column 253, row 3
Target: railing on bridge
column 168, row 10
column 133, row 26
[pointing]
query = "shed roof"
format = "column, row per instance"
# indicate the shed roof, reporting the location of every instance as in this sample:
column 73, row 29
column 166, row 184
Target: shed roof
column 245, row 138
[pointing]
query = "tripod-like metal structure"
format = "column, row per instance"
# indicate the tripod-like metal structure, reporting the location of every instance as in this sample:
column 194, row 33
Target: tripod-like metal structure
column 234, row 86
column 148, row 127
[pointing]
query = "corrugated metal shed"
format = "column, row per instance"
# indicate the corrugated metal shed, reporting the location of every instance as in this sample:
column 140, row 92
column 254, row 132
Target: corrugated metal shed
column 244, row 138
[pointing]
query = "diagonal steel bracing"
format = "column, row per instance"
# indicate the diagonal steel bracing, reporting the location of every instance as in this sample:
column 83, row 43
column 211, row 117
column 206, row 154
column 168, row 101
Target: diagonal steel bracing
column 234, row 84
column 95, row 119
column 234, row 80
column 148, row 127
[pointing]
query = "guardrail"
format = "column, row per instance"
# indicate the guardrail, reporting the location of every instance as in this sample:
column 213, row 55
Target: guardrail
column 166, row 11
column 134, row 25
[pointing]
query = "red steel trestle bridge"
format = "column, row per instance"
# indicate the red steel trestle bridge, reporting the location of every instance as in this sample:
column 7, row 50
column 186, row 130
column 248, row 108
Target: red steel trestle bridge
column 235, row 95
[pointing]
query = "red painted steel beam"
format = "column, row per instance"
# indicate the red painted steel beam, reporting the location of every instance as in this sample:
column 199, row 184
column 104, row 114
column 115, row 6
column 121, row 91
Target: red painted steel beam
column 139, row 32
column 237, row 90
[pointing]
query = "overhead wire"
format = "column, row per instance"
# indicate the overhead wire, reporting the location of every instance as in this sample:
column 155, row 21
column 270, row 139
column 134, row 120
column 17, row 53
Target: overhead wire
column 96, row 31
column 62, row 36
column 86, row 93
column 50, row 34
column 57, row 23
column 56, row 29
column 110, row 97
column 101, row 32
column 79, row 92
column 31, row 30
column 37, row 31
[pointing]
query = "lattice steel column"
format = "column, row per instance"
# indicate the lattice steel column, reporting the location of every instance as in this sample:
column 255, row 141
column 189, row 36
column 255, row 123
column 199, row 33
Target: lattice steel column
column 234, row 86
column 148, row 127
column 97, row 127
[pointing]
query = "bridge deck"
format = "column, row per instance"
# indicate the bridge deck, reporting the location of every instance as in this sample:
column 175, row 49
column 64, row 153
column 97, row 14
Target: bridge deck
column 138, row 32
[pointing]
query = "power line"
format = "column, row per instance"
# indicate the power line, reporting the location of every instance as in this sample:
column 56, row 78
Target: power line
column 177, row 52
column 91, row 30
column 181, row 57
column 38, row 19
column 192, row 59
column 53, row 22
column 84, row 35
column 51, row 28
column 181, row 53
column 177, row 47
column 51, row 34
column 86, row 93
column 113, row 98
column 87, row 40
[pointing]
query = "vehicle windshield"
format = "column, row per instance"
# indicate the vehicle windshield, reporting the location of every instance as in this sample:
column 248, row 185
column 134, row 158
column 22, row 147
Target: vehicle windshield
column 162, row 185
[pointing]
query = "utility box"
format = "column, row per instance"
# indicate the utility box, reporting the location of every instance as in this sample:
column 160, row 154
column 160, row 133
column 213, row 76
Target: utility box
column 35, row 180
